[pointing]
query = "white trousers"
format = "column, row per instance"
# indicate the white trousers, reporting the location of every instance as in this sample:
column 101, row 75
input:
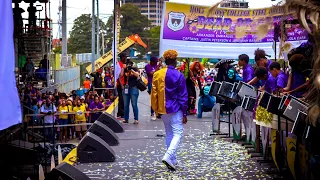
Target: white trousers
column 174, row 131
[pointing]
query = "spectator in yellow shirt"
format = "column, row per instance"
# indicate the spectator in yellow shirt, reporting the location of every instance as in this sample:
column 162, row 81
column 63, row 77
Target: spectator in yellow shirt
column 63, row 120
column 80, row 118
column 71, row 128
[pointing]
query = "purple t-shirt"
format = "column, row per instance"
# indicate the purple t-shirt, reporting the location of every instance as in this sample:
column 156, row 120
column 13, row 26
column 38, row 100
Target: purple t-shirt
column 297, row 80
column 282, row 80
column 108, row 81
column 95, row 116
column 269, row 63
column 271, row 84
column 150, row 69
column 248, row 73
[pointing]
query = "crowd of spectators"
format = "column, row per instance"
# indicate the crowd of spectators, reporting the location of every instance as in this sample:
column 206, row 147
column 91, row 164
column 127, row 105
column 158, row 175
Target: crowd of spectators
column 56, row 108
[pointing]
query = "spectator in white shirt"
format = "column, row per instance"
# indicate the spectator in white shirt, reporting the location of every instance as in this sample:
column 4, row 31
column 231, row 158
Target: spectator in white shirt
column 48, row 109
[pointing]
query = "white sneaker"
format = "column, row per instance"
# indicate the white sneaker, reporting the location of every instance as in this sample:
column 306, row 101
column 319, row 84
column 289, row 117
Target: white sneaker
column 168, row 163
column 174, row 161
column 153, row 118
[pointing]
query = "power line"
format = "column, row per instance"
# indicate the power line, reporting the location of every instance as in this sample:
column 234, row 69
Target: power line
column 77, row 13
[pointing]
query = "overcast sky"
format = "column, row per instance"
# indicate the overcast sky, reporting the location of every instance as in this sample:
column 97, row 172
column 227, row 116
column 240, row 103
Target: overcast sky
column 77, row 7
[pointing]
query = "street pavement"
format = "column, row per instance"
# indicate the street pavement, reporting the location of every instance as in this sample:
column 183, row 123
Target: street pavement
column 200, row 156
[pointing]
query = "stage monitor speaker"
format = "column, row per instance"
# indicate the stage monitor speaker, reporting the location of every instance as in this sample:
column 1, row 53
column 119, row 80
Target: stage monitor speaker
column 66, row 172
column 105, row 133
column 110, row 121
column 92, row 148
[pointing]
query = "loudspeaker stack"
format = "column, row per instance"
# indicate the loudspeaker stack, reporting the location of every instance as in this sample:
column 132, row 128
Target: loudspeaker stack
column 95, row 145
column 66, row 171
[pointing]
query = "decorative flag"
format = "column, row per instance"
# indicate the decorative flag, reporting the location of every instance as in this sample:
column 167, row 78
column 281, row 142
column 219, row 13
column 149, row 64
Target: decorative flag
column 10, row 109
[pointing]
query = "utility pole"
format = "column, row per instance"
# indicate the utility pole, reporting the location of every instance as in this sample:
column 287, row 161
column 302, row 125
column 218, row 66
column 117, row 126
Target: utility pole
column 98, row 30
column 148, row 9
column 102, row 34
column 93, row 44
column 157, row 13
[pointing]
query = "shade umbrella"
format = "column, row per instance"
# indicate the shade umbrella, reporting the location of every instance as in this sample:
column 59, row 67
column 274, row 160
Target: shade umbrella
column 229, row 61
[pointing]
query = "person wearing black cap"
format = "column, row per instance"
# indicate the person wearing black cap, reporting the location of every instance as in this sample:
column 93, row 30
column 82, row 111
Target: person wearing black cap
column 120, row 84
column 150, row 69
column 226, row 72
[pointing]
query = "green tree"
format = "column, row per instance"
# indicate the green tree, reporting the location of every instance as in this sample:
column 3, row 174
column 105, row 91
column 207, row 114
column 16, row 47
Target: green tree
column 132, row 22
column 80, row 35
column 154, row 40
column 57, row 50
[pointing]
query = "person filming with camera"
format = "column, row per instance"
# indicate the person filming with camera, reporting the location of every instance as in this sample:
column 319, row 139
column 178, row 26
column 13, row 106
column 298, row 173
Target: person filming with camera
column 130, row 91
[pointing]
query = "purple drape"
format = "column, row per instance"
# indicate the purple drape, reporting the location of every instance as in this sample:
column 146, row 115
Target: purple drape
column 10, row 109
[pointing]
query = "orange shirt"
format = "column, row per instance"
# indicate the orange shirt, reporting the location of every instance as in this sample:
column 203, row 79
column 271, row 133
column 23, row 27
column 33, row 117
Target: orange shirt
column 86, row 84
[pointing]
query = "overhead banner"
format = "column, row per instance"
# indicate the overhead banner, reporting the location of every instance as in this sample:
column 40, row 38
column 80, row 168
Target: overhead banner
column 188, row 28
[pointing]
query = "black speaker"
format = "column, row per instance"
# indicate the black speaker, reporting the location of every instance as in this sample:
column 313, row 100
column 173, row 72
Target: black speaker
column 110, row 121
column 92, row 148
column 66, row 172
column 105, row 133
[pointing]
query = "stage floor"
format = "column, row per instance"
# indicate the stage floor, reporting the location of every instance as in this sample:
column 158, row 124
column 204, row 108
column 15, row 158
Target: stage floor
column 200, row 156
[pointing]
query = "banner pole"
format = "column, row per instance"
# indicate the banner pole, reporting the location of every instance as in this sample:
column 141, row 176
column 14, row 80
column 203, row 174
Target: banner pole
column 115, row 45
column 93, row 37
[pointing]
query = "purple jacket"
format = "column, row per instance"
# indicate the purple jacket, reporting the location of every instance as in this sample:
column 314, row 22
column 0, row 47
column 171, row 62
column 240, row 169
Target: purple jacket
column 169, row 91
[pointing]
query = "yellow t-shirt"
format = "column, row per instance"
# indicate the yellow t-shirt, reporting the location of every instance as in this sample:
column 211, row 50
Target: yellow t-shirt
column 62, row 109
column 85, row 104
column 70, row 108
column 80, row 115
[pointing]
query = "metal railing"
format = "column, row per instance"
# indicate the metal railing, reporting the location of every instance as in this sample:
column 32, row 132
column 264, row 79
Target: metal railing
column 84, row 58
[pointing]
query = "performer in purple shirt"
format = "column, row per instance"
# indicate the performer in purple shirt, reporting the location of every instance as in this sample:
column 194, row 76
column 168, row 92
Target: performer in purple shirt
column 295, row 80
column 247, row 76
column 261, row 59
column 95, row 106
column 169, row 97
column 301, row 70
column 269, row 81
column 248, row 71
column 150, row 69
column 281, row 77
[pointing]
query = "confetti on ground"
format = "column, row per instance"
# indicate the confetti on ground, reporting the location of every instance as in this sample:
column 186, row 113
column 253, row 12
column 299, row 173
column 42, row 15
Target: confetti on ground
column 199, row 157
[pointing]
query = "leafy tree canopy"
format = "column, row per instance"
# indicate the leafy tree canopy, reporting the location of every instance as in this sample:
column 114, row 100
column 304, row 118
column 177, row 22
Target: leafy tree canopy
column 155, row 40
column 80, row 36
column 132, row 20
